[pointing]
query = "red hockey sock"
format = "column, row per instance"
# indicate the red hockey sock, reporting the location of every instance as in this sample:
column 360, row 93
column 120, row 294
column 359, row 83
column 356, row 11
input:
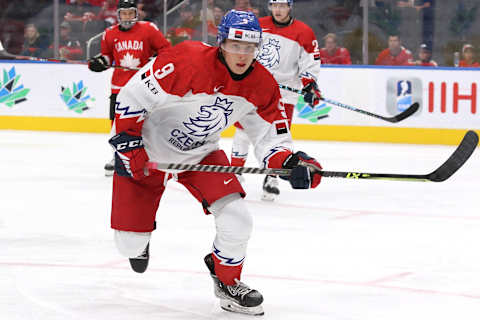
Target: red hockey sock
column 227, row 274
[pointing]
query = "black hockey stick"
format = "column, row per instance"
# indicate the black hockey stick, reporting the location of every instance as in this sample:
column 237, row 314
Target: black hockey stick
column 8, row 56
column 445, row 171
column 399, row 117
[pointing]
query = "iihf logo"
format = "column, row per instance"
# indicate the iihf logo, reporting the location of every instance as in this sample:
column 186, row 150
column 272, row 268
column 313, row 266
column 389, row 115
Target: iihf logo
column 210, row 118
column 404, row 95
column 270, row 54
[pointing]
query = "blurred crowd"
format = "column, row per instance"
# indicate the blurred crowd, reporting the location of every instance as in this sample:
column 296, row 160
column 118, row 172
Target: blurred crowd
column 27, row 27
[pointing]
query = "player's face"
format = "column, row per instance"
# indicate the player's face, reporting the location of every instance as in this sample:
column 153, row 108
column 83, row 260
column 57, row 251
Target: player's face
column 238, row 55
column 128, row 14
column 280, row 11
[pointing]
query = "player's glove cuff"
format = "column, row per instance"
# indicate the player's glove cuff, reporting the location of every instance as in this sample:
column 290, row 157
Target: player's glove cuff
column 98, row 63
column 311, row 93
column 130, row 155
column 304, row 168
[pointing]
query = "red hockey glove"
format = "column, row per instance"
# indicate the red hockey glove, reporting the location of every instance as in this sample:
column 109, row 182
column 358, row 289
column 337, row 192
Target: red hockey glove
column 130, row 155
column 98, row 63
column 303, row 167
column 310, row 91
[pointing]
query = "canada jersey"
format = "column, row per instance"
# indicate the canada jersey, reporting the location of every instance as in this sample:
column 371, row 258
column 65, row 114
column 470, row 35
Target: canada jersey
column 289, row 53
column 186, row 98
column 131, row 49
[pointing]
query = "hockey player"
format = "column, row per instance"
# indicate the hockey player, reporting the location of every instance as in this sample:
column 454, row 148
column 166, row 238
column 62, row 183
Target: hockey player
column 290, row 52
column 173, row 111
column 129, row 44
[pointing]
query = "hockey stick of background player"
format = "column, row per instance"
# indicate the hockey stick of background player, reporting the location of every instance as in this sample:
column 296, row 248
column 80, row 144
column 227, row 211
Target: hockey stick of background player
column 442, row 173
column 25, row 58
column 399, row 117
column 5, row 55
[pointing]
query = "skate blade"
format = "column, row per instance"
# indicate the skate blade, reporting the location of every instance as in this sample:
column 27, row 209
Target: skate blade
column 266, row 196
column 231, row 306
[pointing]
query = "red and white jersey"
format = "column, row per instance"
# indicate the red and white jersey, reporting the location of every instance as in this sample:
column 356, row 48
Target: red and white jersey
column 182, row 100
column 289, row 53
column 340, row 56
column 131, row 49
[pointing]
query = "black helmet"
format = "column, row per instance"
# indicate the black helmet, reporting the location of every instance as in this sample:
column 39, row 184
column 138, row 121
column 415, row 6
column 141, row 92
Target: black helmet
column 127, row 4
column 123, row 5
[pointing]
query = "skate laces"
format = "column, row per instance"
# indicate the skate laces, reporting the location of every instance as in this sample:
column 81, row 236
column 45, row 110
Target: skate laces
column 240, row 289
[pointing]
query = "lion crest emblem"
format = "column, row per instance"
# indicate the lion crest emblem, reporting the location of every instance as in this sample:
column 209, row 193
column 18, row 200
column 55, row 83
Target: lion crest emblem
column 210, row 118
column 269, row 55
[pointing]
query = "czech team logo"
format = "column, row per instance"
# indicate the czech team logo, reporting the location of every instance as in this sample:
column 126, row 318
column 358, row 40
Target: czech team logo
column 402, row 93
column 76, row 98
column 210, row 118
column 269, row 55
column 11, row 91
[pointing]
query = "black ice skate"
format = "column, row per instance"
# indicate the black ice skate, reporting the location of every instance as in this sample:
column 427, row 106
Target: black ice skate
column 270, row 188
column 140, row 263
column 109, row 168
column 235, row 298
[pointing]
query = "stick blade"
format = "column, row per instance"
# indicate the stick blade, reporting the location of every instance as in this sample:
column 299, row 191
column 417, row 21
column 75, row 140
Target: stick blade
column 406, row 113
column 457, row 159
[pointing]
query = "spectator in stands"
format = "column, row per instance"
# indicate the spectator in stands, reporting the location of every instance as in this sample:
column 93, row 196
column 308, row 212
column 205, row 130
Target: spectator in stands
column 468, row 56
column 242, row 5
column 218, row 14
column 108, row 13
column 210, row 8
column 189, row 27
column 69, row 46
column 256, row 11
column 142, row 14
column 425, row 57
column 35, row 44
column 331, row 54
column 97, row 3
column 82, row 17
column 426, row 9
column 395, row 54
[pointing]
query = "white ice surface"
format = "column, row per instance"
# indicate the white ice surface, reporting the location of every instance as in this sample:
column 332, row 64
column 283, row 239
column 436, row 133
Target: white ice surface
column 348, row 250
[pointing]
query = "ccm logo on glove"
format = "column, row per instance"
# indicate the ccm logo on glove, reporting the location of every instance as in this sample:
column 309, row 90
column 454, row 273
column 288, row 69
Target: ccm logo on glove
column 129, row 144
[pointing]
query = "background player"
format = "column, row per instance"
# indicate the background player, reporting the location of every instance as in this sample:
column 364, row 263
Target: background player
column 129, row 44
column 173, row 111
column 290, row 52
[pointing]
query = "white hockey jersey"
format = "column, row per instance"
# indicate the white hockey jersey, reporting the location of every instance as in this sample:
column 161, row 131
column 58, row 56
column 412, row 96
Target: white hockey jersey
column 289, row 53
column 182, row 100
